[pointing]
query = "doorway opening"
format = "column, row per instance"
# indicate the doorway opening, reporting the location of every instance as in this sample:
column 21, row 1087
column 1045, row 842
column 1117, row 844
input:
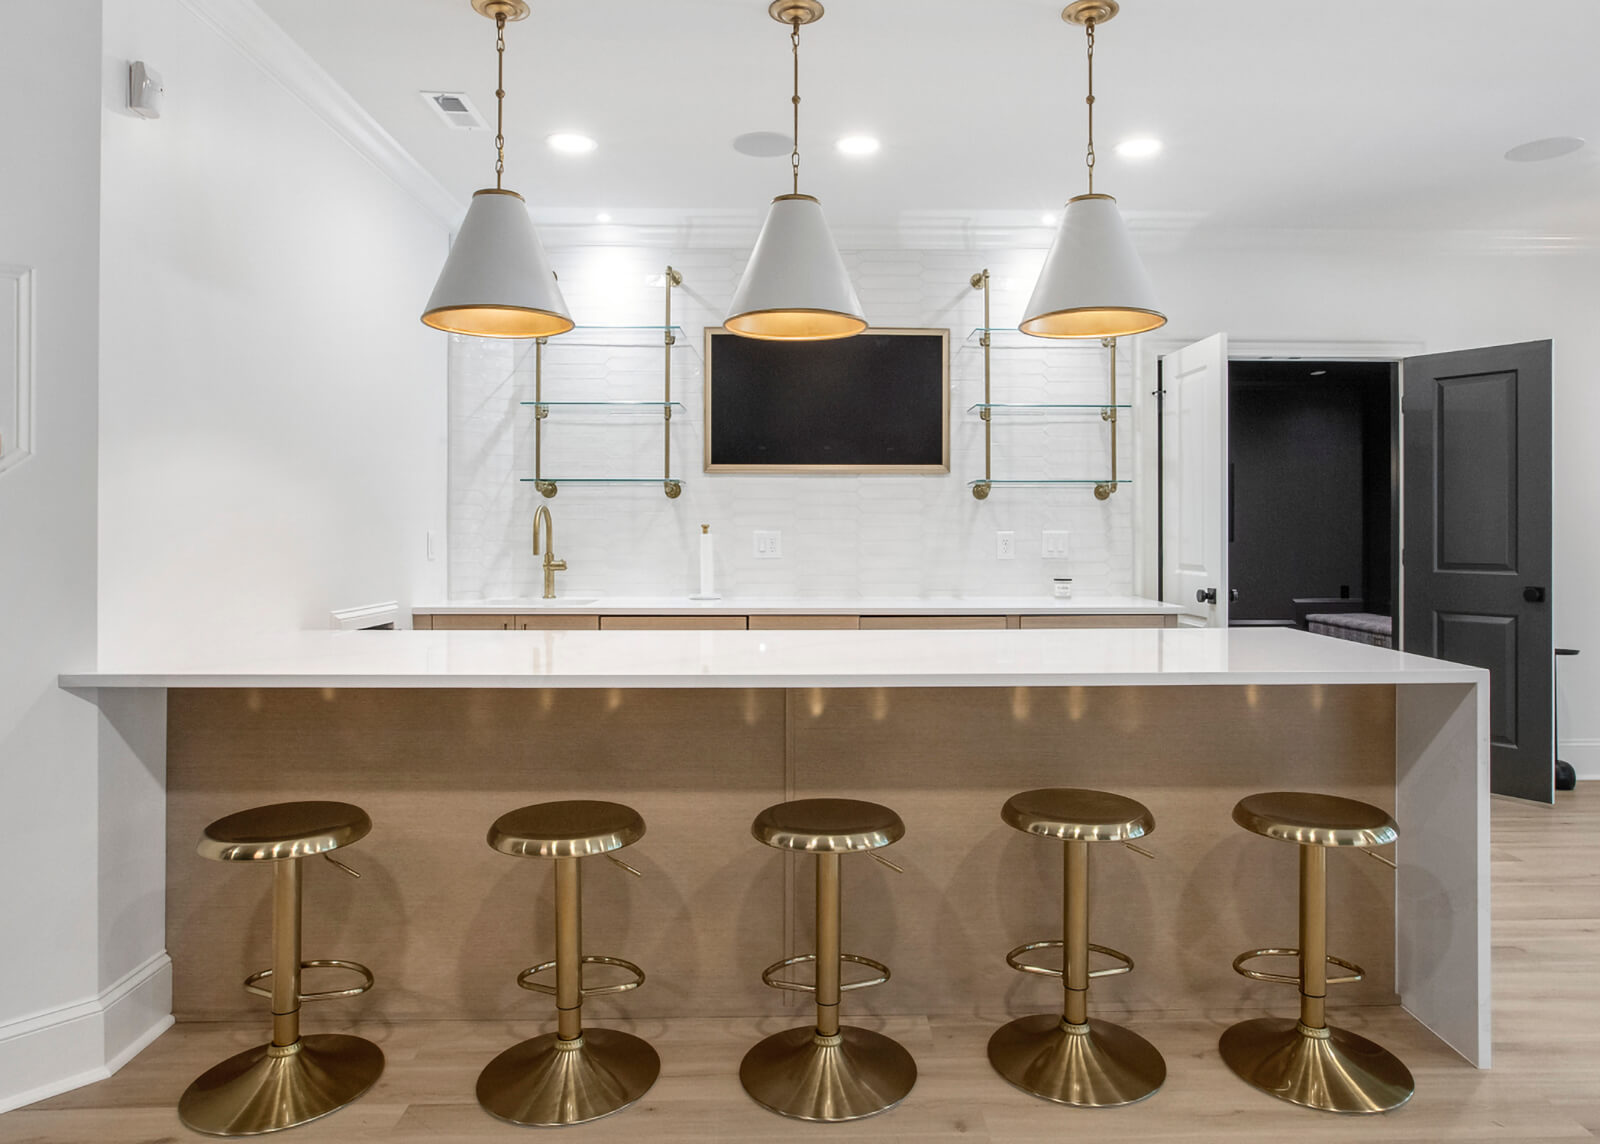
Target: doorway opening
column 1313, row 511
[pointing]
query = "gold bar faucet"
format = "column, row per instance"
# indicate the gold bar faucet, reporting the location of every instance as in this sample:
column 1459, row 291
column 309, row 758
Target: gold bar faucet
column 551, row 564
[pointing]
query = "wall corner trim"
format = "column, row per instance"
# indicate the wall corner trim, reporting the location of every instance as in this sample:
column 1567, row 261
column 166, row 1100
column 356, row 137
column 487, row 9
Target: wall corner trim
column 244, row 25
column 74, row 1045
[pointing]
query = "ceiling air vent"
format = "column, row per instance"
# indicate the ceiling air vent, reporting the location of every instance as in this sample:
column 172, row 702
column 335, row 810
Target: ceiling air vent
column 455, row 109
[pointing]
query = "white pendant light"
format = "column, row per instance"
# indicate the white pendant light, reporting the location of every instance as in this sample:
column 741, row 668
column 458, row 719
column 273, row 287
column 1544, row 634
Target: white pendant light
column 1093, row 284
column 497, row 281
column 795, row 286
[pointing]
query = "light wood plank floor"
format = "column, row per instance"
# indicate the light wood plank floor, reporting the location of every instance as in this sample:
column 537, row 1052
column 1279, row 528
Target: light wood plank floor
column 1545, row 1085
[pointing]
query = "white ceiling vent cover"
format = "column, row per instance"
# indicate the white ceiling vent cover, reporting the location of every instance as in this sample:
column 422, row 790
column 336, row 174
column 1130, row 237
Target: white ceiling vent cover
column 455, row 109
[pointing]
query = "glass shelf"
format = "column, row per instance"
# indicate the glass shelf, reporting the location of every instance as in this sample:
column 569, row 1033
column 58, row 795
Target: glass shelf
column 619, row 404
column 1120, row 481
column 1011, row 338
column 622, row 337
column 1040, row 405
column 603, row 480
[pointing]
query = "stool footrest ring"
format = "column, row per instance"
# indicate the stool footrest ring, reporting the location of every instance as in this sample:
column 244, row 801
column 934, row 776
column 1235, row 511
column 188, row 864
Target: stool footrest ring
column 1356, row 972
column 1014, row 960
column 525, row 978
column 768, row 979
column 252, row 984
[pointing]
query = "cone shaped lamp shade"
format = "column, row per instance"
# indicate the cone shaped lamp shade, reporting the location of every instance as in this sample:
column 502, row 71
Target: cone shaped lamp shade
column 497, row 282
column 795, row 287
column 1093, row 284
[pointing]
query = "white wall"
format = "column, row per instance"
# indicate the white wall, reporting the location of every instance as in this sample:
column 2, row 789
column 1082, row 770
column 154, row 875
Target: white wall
column 49, row 172
column 277, row 410
column 841, row 536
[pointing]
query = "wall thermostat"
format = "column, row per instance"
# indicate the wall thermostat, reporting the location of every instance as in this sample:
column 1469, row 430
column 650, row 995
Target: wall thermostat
column 144, row 90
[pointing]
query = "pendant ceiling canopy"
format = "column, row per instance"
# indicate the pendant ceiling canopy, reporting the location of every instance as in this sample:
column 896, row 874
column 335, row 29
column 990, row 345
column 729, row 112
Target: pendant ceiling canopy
column 497, row 281
column 1093, row 284
column 795, row 286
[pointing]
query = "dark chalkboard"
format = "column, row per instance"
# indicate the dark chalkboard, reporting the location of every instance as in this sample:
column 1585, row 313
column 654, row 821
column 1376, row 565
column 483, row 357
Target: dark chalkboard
column 877, row 402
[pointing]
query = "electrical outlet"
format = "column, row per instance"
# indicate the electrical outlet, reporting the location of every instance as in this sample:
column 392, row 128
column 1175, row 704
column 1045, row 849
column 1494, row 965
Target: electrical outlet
column 1054, row 546
column 1005, row 546
column 769, row 544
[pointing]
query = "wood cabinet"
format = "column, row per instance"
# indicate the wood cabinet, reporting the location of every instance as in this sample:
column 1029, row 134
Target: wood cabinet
column 474, row 623
column 944, row 623
column 538, row 623
column 1099, row 621
column 804, row 623
column 671, row 623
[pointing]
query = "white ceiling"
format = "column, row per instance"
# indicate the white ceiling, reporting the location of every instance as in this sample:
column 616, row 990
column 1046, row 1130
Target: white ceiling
column 1275, row 113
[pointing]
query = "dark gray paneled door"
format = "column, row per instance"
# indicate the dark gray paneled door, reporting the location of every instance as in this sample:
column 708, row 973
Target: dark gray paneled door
column 1477, row 541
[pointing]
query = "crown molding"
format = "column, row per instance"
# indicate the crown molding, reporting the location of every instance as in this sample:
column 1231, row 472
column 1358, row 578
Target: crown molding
column 244, row 25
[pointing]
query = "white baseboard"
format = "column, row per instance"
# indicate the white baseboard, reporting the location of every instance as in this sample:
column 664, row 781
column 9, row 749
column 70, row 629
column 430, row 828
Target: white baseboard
column 1584, row 755
column 75, row 1045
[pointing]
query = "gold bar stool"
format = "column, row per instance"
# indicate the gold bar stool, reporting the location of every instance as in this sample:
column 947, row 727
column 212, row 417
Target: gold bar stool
column 1075, row 1058
column 1309, row 1061
column 828, row 1071
column 572, row 1075
column 294, row 1078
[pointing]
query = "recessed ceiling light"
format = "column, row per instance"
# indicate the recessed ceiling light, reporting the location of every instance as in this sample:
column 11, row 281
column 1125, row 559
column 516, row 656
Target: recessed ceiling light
column 1541, row 149
column 1318, row 372
column 1139, row 148
column 570, row 143
column 857, row 145
column 602, row 217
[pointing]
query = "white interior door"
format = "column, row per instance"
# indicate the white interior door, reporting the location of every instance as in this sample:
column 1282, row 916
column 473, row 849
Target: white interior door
column 1194, row 483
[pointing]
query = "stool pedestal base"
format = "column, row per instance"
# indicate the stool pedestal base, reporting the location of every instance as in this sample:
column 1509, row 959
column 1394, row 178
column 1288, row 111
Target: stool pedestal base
column 1094, row 1065
column 268, row 1088
column 1332, row 1069
column 546, row 1082
column 803, row 1074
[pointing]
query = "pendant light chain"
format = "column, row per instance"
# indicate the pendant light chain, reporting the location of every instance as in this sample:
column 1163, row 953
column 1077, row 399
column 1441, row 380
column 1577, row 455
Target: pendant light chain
column 1089, row 155
column 794, row 155
column 500, row 100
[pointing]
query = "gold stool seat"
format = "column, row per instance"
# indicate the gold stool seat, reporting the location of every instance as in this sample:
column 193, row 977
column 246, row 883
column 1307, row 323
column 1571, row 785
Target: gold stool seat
column 572, row 1075
column 827, row 1071
column 1308, row 1061
column 1074, row 1058
column 294, row 1078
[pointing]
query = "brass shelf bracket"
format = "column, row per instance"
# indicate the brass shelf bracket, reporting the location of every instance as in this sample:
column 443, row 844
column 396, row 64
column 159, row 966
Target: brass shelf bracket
column 980, row 491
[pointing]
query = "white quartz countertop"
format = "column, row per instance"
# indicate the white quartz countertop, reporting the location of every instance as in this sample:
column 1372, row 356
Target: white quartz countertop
column 1044, row 658
column 579, row 604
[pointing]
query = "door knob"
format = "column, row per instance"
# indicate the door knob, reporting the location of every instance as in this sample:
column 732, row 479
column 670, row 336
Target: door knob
column 1533, row 595
column 1206, row 596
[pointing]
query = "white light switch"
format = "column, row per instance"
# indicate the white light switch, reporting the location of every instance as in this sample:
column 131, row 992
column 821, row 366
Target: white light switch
column 1005, row 545
column 1054, row 546
column 769, row 544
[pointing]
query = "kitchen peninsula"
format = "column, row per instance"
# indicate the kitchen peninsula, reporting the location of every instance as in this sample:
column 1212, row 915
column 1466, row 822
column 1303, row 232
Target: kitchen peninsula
column 436, row 733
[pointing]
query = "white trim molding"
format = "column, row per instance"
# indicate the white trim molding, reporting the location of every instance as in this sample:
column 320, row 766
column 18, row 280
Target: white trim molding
column 19, row 315
column 244, row 25
column 1583, row 754
column 64, row 1048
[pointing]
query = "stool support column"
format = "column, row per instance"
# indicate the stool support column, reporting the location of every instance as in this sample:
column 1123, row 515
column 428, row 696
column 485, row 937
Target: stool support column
column 1075, row 932
column 569, row 950
column 286, row 952
column 1313, row 937
column 828, row 924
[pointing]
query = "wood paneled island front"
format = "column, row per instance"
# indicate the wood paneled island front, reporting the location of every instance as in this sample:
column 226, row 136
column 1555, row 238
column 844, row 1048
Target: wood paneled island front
column 436, row 733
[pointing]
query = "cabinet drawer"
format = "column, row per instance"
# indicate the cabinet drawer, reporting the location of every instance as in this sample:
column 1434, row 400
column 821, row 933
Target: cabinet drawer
column 671, row 623
column 558, row 623
column 953, row 623
column 804, row 623
column 457, row 623
column 1098, row 621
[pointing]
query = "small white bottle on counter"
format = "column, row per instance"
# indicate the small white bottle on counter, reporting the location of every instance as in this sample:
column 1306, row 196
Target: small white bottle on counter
column 1062, row 585
column 708, row 585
